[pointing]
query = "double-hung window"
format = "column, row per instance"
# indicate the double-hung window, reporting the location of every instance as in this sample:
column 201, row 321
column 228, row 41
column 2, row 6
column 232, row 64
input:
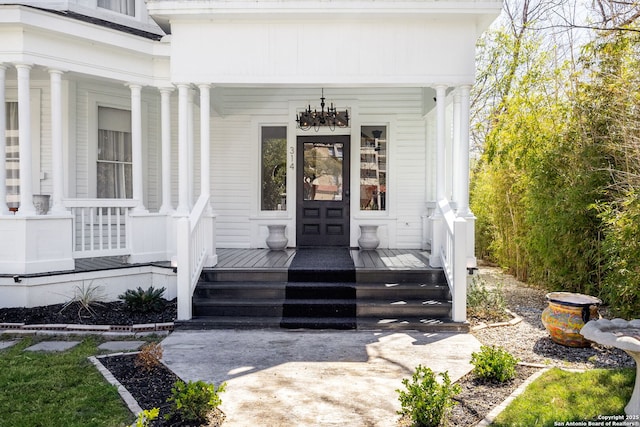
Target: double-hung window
column 126, row 7
column 114, row 165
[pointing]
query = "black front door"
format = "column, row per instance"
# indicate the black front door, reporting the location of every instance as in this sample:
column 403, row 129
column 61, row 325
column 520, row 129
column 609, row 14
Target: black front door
column 323, row 191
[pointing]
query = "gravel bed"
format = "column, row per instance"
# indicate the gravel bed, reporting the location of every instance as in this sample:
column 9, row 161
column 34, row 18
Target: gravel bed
column 529, row 341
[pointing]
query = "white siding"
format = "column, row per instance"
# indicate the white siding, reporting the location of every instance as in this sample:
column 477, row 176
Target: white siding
column 234, row 152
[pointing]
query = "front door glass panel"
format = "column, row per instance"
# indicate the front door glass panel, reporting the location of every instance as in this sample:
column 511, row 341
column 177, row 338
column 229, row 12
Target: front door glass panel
column 323, row 171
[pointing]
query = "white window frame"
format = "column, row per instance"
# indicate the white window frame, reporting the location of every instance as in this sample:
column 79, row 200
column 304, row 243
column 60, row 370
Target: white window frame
column 100, row 99
column 391, row 199
column 256, row 178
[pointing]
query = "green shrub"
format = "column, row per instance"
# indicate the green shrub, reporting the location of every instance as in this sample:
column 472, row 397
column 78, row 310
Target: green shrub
column 192, row 401
column 426, row 401
column 143, row 301
column 494, row 364
column 146, row 416
column 484, row 303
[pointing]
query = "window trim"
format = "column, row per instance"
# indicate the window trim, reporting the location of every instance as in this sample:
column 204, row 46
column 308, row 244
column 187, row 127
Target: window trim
column 256, row 178
column 391, row 200
column 260, row 164
column 100, row 99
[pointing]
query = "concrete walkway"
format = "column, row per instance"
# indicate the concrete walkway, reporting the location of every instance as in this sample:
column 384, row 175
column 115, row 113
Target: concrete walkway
column 315, row 379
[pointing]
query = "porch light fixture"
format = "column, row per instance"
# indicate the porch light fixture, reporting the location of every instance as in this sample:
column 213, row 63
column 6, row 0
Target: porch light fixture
column 315, row 119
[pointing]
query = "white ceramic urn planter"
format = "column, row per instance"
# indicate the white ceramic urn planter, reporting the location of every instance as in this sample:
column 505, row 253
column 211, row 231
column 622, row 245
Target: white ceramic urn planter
column 368, row 237
column 277, row 238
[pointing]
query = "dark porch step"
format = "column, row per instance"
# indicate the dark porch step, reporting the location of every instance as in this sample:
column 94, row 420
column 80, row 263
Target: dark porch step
column 326, row 275
column 403, row 308
column 430, row 276
column 424, row 324
column 314, row 290
column 319, row 323
column 240, row 290
column 319, row 308
column 418, row 290
column 211, row 307
column 228, row 322
column 244, row 275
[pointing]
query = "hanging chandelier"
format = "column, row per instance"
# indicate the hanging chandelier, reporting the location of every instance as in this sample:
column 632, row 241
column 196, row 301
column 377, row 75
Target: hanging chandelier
column 308, row 119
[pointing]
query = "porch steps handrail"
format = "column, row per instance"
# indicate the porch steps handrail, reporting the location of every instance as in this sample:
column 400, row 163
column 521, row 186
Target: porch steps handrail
column 453, row 255
column 100, row 226
column 193, row 233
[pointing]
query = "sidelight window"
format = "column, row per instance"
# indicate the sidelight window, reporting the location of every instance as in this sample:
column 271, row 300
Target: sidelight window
column 373, row 168
column 273, row 195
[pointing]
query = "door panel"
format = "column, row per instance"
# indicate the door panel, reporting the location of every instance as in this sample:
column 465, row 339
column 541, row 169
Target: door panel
column 323, row 191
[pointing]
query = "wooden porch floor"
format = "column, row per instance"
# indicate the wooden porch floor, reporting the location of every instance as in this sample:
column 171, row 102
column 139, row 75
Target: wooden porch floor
column 380, row 259
column 265, row 259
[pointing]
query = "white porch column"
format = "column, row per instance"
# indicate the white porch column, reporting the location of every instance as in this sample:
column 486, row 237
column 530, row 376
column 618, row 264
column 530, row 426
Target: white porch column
column 440, row 141
column 57, row 154
column 205, row 149
column 165, row 119
column 183, row 150
column 436, row 219
column 190, row 145
column 4, row 209
column 136, row 146
column 24, row 137
column 456, row 150
column 463, row 175
column 461, row 150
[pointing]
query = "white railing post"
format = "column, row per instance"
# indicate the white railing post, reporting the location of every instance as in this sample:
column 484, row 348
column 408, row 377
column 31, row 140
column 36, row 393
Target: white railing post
column 453, row 254
column 459, row 309
column 184, row 271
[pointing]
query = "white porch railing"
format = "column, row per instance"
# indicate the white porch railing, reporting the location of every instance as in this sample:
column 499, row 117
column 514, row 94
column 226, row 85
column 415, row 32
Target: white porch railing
column 100, row 226
column 453, row 253
column 194, row 245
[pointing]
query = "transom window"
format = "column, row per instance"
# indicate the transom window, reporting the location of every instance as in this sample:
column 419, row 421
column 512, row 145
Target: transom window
column 373, row 168
column 114, row 165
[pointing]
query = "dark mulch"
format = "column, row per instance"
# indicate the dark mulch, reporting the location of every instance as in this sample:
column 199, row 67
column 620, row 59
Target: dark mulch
column 478, row 398
column 150, row 388
column 101, row 313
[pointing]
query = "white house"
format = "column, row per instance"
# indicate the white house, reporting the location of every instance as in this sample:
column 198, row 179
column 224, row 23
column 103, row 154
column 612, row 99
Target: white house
column 163, row 130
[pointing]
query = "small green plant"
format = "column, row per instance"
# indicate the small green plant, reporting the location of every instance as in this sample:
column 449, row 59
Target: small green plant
column 192, row 401
column 149, row 356
column 143, row 301
column 494, row 364
column 427, row 401
column 484, row 303
column 146, row 416
column 84, row 299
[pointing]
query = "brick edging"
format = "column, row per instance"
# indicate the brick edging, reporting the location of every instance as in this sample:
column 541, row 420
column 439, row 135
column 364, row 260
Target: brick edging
column 63, row 327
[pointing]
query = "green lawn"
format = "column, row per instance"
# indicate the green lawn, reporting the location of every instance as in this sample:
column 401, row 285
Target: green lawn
column 57, row 389
column 560, row 396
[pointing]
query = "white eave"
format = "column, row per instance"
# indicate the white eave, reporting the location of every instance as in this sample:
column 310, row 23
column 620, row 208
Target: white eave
column 163, row 11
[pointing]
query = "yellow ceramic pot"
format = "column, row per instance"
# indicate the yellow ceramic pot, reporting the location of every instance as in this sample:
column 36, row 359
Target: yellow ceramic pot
column 566, row 314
